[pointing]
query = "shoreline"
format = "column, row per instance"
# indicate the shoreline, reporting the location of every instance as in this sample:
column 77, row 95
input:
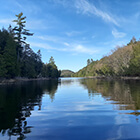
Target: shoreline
column 17, row 80
column 114, row 78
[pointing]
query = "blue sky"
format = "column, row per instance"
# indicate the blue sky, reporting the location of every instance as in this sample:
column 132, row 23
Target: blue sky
column 74, row 30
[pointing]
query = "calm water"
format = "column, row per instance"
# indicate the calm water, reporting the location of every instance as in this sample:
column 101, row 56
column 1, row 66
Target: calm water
column 75, row 109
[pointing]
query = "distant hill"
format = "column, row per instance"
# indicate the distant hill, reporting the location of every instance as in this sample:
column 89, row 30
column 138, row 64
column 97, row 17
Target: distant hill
column 66, row 73
column 122, row 61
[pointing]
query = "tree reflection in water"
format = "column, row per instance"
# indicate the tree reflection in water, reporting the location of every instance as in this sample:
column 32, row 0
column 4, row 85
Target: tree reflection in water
column 17, row 102
column 124, row 94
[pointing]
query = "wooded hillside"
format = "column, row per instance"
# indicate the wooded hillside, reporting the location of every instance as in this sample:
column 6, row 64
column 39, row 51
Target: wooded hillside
column 122, row 61
column 66, row 73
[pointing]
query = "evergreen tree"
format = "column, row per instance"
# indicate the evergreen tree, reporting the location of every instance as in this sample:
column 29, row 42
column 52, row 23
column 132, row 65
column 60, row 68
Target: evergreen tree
column 3, row 38
column 88, row 62
column 92, row 60
column 28, row 63
column 18, row 59
column 38, row 63
column 3, row 70
column 10, row 57
column 51, row 61
column 20, row 35
column 50, row 69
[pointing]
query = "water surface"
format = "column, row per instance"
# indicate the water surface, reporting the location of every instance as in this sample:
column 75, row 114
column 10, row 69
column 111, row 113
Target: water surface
column 76, row 108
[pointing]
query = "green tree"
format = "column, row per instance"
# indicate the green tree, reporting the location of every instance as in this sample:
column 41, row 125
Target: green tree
column 20, row 33
column 88, row 62
column 3, row 69
column 51, row 61
column 134, row 68
column 10, row 57
column 3, row 38
column 28, row 63
column 39, row 64
column 50, row 69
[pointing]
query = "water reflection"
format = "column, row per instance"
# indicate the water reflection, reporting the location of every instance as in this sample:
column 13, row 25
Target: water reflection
column 124, row 93
column 67, row 81
column 17, row 102
column 73, row 113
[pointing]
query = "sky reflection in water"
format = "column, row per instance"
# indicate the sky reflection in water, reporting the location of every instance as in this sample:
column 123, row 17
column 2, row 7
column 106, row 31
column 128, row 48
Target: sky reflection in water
column 76, row 108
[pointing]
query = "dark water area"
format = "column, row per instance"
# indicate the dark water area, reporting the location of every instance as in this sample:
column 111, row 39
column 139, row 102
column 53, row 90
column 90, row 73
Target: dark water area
column 73, row 109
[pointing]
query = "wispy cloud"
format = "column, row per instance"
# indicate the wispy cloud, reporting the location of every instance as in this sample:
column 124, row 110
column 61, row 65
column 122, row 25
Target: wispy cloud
column 50, row 38
column 74, row 48
column 30, row 6
column 65, row 3
column 35, row 24
column 66, row 44
column 41, row 45
column 72, row 33
column 87, row 8
column 5, row 21
column 83, row 49
column 117, row 34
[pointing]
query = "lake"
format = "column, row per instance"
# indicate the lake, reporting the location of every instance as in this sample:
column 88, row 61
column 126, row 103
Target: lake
column 73, row 109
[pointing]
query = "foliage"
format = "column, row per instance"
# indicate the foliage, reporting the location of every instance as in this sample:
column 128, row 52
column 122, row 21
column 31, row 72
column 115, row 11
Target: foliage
column 135, row 61
column 10, row 57
column 67, row 73
column 122, row 61
column 17, row 59
column 50, row 69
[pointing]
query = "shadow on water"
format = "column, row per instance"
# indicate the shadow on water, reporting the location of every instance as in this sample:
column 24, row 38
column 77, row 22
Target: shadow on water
column 17, row 102
column 125, row 94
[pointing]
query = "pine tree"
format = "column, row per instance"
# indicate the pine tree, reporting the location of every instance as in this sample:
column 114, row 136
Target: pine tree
column 20, row 35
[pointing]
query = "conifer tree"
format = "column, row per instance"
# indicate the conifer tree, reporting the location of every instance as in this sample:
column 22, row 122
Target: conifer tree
column 3, row 70
column 10, row 57
column 20, row 33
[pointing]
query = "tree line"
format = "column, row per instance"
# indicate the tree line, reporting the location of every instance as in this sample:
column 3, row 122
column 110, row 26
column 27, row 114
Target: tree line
column 17, row 59
column 122, row 61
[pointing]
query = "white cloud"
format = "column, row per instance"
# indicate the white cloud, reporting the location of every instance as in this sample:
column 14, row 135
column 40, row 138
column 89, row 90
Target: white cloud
column 74, row 48
column 41, row 45
column 55, row 39
column 47, row 46
column 117, row 34
column 87, row 8
column 82, row 49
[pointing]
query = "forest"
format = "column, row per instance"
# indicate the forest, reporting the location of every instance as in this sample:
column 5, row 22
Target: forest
column 122, row 61
column 17, row 59
column 66, row 73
